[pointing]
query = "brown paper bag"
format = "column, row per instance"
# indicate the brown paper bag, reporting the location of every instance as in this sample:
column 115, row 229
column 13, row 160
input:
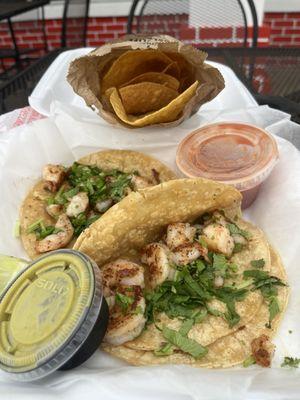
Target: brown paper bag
column 86, row 73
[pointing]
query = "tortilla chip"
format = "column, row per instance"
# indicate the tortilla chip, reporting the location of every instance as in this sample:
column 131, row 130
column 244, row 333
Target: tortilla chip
column 133, row 63
column 135, row 102
column 166, row 114
column 33, row 206
column 186, row 70
column 156, row 77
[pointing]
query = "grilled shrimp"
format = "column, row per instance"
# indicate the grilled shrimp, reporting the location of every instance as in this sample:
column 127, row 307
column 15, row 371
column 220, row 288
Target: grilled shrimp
column 156, row 256
column 122, row 285
column 179, row 234
column 59, row 239
column 218, row 239
column 103, row 205
column 139, row 182
column 54, row 210
column 187, row 253
column 219, row 218
column 53, row 175
column 78, row 204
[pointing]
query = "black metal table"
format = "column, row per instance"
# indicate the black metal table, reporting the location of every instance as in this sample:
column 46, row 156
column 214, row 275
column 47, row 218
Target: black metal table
column 271, row 74
column 9, row 9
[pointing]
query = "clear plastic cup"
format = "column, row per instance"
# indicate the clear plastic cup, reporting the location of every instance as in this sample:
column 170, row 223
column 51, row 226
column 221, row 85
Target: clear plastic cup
column 238, row 154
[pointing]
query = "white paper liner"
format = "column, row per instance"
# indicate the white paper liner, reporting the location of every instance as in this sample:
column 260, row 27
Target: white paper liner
column 62, row 139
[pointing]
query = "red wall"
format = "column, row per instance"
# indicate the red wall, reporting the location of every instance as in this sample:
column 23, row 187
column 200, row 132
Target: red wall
column 284, row 28
column 280, row 29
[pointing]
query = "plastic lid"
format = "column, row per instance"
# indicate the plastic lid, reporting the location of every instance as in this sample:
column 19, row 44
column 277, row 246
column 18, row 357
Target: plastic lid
column 47, row 313
column 234, row 153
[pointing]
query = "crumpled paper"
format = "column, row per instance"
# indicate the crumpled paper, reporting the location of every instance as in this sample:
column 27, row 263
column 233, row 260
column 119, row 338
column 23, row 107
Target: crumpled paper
column 65, row 137
column 84, row 73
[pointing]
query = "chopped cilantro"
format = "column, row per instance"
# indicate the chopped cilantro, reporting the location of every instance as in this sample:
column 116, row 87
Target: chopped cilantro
column 17, row 229
column 41, row 231
column 202, row 241
column 249, row 361
column 35, row 225
column 117, row 191
column 123, row 301
column 215, row 312
column 198, row 265
column 268, row 286
column 238, row 247
column 258, row 275
column 166, row 350
column 138, row 310
column 199, row 316
column 235, row 230
column 81, row 222
column 291, row 362
column 184, row 343
column 258, row 263
column 50, row 201
column 186, row 326
column 220, row 265
column 189, row 294
column 274, row 308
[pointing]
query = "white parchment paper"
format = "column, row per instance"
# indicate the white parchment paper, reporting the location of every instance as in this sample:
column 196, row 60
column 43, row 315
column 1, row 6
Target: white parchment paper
column 65, row 137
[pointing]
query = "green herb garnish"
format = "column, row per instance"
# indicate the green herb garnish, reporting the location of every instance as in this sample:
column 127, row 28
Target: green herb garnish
column 98, row 184
column 138, row 310
column 238, row 247
column 267, row 284
column 41, row 231
column 235, row 230
column 124, row 301
column 188, row 296
column 291, row 362
column 81, row 222
column 166, row 350
column 258, row 263
column 186, row 326
column 35, row 225
column 184, row 343
column 249, row 361
column 17, row 229
column 220, row 265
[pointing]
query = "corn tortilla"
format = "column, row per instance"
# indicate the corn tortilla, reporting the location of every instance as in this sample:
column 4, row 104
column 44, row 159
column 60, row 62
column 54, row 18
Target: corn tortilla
column 213, row 327
column 230, row 350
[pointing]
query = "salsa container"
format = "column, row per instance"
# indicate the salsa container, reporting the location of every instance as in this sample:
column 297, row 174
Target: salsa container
column 238, row 154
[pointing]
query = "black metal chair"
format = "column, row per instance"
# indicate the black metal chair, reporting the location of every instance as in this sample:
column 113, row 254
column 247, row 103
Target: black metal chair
column 78, row 10
column 14, row 92
column 22, row 57
column 205, row 23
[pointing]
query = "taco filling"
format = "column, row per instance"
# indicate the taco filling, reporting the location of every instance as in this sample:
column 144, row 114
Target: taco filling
column 193, row 277
column 68, row 200
column 78, row 196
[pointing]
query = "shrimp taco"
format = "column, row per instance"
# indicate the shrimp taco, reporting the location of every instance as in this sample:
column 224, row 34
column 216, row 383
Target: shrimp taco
column 68, row 200
column 187, row 280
